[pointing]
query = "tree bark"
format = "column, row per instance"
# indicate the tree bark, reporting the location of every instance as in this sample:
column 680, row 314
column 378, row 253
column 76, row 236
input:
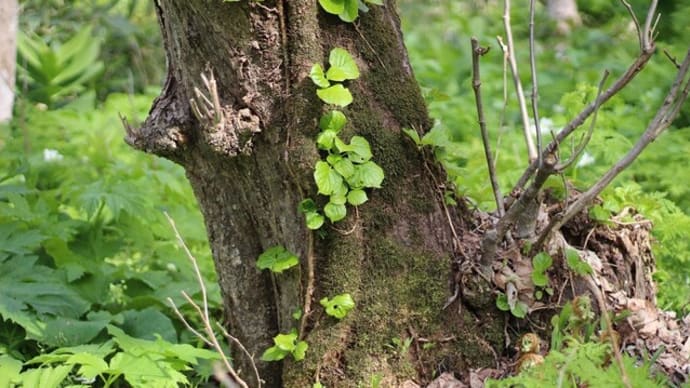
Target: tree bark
column 9, row 13
column 250, row 175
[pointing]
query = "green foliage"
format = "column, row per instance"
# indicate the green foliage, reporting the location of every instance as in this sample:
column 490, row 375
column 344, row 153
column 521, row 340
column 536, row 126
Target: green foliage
column 347, row 170
column 347, row 10
column 576, row 358
column 59, row 70
column 581, row 364
column 338, row 306
column 516, row 307
column 567, row 77
column 85, row 244
column 540, row 264
column 141, row 363
column 277, row 259
column 126, row 31
column 575, row 263
column 285, row 344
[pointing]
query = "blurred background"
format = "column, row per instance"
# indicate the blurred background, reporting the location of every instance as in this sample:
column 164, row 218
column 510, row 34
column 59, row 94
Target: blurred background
column 83, row 240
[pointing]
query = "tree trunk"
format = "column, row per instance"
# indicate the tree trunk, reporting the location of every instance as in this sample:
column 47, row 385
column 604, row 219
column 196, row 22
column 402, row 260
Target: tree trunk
column 9, row 13
column 250, row 176
column 403, row 255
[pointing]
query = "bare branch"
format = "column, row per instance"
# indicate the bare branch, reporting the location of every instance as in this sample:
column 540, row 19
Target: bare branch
column 210, row 337
column 478, row 51
column 665, row 115
column 647, row 47
column 510, row 50
column 535, row 84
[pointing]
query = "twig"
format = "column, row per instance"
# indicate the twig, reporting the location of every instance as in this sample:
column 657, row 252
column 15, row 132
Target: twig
column 638, row 28
column 665, row 115
column 478, row 51
column 576, row 122
column 648, row 32
column 531, row 150
column 535, row 84
column 209, row 338
column 239, row 344
column 672, row 59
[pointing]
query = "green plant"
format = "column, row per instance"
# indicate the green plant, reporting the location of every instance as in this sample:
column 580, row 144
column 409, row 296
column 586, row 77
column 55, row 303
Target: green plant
column 540, row 264
column 83, row 251
column 516, row 307
column 339, row 306
column 285, row 344
column 347, row 10
column 348, row 169
column 277, row 259
column 60, row 70
column 577, row 358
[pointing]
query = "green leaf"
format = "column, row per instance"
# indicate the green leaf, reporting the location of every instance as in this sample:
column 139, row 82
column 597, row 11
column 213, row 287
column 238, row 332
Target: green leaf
column 297, row 314
column 520, row 309
column 325, row 139
column 360, row 150
column 339, row 306
column 338, row 199
column 148, row 324
column 351, row 11
column 377, row 2
column 539, row 279
column 575, row 263
column 285, row 341
column 300, row 350
column 343, row 66
column 307, row 206
column 314, row 220
column 335, row 95
column 357, row 197
column 277, row 259
column 502, row 302
column 333, row 6
column 342, row 165
column 334, row 120
column 274, row 353
column 412, row 134
column 318, row 77
column 335, row 212
column 368, row 174
column 9, row 370
column 598, row 213
column 328, row 181
column 541, row 262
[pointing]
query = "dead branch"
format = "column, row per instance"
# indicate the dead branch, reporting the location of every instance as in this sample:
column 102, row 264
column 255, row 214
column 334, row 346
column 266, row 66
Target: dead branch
column 210, row 337
column 478, row 51
column 510, row 51
column 535, row 83
column 663, row 119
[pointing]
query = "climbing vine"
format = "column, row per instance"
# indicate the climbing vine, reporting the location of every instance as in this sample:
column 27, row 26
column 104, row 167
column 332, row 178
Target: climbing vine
column 347, row 169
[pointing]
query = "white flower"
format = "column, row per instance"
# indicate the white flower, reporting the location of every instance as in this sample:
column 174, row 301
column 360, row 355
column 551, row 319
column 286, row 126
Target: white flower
column 52, row 155
column 585, row 160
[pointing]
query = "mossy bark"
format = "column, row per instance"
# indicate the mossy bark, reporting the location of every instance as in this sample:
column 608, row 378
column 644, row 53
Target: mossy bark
column 252, row 163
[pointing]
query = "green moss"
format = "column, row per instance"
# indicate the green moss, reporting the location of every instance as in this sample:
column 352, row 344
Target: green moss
column 395, row 86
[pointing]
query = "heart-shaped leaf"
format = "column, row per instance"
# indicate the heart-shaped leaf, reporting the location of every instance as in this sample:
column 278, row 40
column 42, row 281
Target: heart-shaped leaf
column 343, row 66
column 335, row 95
